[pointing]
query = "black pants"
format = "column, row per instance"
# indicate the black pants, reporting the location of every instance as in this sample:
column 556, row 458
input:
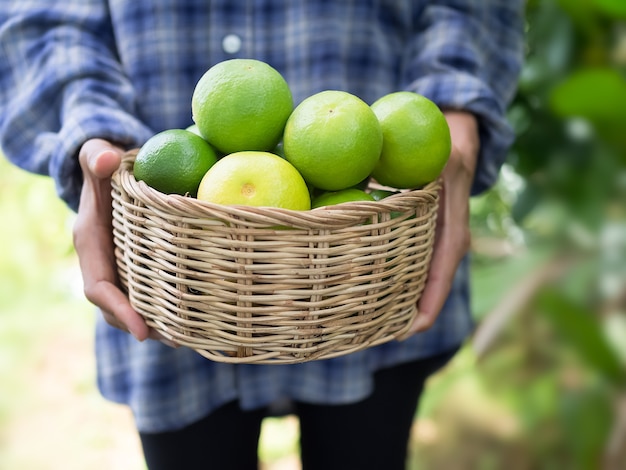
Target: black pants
column 370, row 434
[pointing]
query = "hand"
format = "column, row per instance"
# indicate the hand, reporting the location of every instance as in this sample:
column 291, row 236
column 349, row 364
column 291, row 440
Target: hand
column 93, row 240
column 452, row 234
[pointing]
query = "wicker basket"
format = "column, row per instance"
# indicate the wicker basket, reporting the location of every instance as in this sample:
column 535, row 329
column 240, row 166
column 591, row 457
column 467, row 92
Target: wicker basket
column 264, row 285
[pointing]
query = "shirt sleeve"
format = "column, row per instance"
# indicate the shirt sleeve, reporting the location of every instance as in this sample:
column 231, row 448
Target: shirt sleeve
column 467, row 54
column 60, row 85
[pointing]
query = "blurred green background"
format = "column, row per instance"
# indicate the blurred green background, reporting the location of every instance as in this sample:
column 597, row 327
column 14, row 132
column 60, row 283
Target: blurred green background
column 541, row 385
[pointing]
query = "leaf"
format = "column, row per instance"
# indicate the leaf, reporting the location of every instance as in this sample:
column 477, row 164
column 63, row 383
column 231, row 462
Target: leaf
column 598, row 94
column 583, row 332
column 584, row 14
column 615, row 8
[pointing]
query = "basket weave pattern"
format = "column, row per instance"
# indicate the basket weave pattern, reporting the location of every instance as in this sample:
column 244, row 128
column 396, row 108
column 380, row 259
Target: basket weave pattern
column 265, row 285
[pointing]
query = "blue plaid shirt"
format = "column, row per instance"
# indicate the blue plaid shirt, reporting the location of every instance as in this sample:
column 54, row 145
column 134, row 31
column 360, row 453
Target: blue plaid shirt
column 123, row 70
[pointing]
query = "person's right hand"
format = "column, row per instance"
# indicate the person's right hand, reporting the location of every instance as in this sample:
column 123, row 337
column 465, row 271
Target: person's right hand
column 93, row 240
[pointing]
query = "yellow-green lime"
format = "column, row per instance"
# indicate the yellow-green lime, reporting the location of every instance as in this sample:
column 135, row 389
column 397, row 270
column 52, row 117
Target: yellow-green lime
column 331, row 198
column 241, row 104
column 416, row 140
column 253, row 178
column 334, row 139
column 174, row 161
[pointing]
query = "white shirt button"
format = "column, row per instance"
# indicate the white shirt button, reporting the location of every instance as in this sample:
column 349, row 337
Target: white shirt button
column 231, row 43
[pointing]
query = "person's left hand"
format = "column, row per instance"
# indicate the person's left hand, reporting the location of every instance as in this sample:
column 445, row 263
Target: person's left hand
column 452, row 233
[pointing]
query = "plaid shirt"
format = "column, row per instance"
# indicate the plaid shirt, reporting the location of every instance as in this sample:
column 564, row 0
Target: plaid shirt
column 123, row 70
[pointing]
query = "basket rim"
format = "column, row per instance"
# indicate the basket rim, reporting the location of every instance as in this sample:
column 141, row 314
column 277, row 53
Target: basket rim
column 124, row 177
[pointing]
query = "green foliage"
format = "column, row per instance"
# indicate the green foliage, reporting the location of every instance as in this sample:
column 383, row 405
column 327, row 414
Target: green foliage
column 561, row 361
column 616, row 8
column 569, row 115
column 598, row 94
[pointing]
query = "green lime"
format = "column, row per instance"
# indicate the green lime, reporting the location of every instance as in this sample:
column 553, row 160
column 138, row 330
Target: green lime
column 334, row 139
column 241, row 104
column 174, row 161
column 332, row 198
column 416, row 140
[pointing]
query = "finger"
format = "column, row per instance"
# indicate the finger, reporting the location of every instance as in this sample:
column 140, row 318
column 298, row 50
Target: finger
column 97, row 262
column 452, row 240
column 435, row 292
column 450, row 248
column 116, row 308
column 100, row 158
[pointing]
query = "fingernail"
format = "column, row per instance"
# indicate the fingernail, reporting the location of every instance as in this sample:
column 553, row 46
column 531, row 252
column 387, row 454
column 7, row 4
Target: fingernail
column 135, row 334
column 421, row 323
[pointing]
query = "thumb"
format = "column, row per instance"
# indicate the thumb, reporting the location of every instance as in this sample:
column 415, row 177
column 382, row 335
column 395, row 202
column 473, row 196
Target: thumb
column 100, row 158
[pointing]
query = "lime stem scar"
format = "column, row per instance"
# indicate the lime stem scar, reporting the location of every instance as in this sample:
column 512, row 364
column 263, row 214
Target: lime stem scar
column 248, row 190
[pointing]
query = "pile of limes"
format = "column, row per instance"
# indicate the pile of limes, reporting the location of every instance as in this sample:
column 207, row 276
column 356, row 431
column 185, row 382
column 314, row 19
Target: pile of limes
column 250, row 146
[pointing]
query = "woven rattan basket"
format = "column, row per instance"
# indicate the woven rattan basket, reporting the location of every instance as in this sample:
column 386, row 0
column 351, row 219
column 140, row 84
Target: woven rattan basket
column 264, row 285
